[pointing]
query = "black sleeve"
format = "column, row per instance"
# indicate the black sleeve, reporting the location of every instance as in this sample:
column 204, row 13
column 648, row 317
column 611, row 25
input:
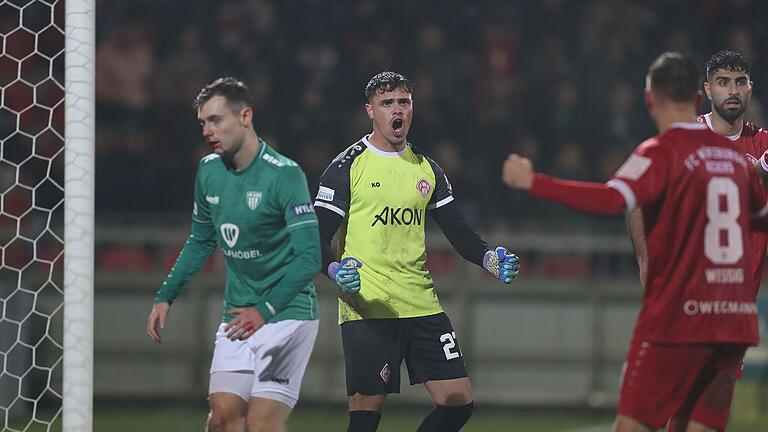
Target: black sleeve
column 329, row 224
column 463, row 238
column 334, row 191
column 332, row 200
column 448, row 216
column 443, row 191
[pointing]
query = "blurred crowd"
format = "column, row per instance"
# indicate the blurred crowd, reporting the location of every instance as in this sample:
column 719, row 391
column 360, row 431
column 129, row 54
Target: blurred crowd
column 559, row 81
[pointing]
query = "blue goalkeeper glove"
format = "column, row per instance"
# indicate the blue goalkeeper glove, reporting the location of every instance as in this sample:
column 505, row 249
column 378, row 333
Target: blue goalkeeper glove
column 346, row 275
column 502, row 264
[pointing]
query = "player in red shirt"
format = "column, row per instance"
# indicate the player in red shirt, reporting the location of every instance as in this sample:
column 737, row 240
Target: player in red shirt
column 699, row 313
column 728, row 86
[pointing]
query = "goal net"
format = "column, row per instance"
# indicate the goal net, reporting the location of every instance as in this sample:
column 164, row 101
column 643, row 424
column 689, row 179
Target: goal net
column 45, row 318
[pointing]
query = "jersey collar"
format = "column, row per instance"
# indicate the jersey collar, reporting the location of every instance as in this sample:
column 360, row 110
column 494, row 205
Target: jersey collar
column 686, row 125
column 379, row 152
column 734, row 137
column 256, row 159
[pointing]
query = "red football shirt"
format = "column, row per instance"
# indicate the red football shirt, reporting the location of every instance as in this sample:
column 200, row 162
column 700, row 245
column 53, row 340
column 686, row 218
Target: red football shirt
column 698, row 195
column 753, row 142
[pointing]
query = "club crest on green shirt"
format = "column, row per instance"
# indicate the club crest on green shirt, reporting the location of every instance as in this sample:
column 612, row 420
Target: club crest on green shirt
column 253, row 198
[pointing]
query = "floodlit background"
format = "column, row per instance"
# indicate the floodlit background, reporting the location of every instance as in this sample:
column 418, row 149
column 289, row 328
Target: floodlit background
column 559, row 81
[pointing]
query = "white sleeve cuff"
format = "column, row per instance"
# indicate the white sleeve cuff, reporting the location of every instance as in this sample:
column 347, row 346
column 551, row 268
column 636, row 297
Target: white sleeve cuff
column 441, row 203
column 330, row 207
column 629, row 195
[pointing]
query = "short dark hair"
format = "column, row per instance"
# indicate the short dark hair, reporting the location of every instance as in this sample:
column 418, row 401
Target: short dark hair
column 232, row 89
column 387, row 81
column 674, row 77
column 729, row 60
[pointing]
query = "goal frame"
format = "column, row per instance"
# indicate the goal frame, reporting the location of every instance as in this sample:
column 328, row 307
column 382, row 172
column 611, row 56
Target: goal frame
column 79, row 186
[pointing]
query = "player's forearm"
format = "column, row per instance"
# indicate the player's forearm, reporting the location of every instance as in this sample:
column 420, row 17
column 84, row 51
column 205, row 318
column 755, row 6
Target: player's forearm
column 192, row 257
column 299, row 272
column 594, row 198
column 636, row 230
column 462, row 237
column 329, row 224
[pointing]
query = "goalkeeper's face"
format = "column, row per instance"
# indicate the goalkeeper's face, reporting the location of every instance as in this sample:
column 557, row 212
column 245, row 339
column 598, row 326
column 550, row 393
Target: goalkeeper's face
column 223, row 129
column 391, row 112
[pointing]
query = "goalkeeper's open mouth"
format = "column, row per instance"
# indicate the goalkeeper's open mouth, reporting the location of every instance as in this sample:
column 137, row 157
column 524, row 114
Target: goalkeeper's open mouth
column 397, row 127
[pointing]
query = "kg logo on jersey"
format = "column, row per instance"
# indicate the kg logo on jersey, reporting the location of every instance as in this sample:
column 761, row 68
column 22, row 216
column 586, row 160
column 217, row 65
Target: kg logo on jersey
column 230, row 233
column 253, row 199
column 424, row 187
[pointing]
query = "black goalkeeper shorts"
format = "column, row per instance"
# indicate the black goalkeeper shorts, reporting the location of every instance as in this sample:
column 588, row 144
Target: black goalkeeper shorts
column 374, row 349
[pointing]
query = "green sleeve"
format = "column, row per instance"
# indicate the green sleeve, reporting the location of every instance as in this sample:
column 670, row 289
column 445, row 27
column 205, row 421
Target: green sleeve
column 199, row 246
column 302, row 227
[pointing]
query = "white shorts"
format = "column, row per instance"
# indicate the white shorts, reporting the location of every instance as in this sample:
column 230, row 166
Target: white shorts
column 270, row 364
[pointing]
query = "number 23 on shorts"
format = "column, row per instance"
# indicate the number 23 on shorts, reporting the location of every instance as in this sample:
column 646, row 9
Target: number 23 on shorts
column 449, row 339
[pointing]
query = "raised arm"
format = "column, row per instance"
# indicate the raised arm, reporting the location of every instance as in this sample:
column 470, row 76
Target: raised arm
column 643, row 171
column 602, row 199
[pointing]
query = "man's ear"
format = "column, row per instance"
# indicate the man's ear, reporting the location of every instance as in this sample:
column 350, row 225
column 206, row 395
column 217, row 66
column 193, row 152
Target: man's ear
column 246, row 116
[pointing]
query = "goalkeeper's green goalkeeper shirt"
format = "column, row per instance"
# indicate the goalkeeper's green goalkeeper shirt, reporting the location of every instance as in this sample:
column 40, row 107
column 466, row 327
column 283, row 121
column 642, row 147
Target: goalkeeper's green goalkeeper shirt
column 264, row 222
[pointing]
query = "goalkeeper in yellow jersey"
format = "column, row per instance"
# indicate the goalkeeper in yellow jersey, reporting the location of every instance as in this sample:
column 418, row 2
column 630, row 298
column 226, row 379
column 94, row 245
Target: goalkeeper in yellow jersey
column 376, row 194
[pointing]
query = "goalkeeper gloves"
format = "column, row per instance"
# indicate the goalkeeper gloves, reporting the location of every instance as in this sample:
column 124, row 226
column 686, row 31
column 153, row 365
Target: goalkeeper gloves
column 502, row 264
column 346, row 275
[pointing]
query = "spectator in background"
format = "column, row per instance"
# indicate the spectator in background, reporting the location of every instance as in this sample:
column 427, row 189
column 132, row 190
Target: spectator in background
column 625, row 119
column 567, row 114
column 506, row 59
column 187, row 68
column 125, row 60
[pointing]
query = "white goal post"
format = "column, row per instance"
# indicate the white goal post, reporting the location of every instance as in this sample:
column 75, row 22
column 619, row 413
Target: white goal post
column 79, row 183
column 47, row 149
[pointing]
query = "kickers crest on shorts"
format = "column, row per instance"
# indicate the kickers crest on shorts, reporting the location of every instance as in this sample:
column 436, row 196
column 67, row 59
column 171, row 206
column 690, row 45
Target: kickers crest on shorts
column 385, row 373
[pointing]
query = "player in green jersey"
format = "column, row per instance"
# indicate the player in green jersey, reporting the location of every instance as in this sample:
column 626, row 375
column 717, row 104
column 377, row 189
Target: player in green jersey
column 254, row 203
column 376, row 194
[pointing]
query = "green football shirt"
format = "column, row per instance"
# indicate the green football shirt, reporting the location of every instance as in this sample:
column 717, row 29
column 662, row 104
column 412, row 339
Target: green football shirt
column 264, row 222
column 383, row 198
